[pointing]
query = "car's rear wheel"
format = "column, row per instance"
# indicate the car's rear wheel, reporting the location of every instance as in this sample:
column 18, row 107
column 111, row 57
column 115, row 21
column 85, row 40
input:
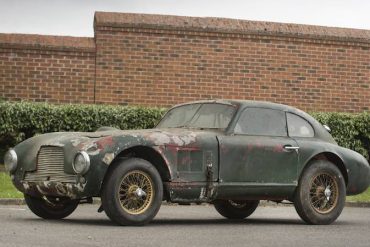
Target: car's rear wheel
column 235, row 209
column 321, row 193
column 132, row 193
column 51, row 207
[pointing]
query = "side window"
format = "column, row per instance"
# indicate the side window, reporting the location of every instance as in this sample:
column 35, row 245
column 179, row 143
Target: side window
column 261, row 121
column 299, row 127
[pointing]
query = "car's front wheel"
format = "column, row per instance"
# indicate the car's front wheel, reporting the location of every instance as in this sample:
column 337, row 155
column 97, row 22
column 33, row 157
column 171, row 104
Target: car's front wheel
column 321, row 193
column 235, row 209
column 51, row 207
column 132, row 193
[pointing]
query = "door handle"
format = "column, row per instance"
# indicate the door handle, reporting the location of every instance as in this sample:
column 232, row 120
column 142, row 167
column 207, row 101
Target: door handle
column 291, row 148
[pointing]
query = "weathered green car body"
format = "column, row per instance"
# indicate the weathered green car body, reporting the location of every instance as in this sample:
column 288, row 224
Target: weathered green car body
column 196, row 165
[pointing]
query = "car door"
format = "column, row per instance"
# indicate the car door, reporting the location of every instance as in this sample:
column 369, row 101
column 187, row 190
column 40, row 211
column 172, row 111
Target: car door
column 259, row 150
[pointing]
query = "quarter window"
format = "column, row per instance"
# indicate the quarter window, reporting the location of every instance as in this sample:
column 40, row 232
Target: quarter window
column 299, row 127
column 261, row 121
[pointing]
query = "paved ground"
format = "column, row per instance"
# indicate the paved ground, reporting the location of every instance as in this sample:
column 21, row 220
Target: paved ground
column 183, row 226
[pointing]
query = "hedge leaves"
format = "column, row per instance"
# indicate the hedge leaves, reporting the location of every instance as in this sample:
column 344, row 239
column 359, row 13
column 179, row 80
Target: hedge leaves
column 21, row 120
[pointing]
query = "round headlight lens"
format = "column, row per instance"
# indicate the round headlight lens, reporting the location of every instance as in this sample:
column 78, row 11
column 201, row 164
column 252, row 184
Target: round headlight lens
column 10, row 161
column 81, row 163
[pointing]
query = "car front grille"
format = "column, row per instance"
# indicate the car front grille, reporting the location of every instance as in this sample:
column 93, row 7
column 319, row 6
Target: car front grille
column 50, row 167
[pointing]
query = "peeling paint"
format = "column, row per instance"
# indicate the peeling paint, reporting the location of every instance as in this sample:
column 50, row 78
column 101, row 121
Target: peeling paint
column 202, row 193
column 75, row 142
column 87, row 144
column 159, row 138
column 93, row 152
column 108, row 158
column 105, row 142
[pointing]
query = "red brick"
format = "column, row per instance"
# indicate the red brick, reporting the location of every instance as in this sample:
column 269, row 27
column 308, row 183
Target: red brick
column 165, row 60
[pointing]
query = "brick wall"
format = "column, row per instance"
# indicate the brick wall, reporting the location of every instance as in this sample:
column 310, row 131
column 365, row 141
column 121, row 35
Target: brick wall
column 164, row 60
column 47, row 68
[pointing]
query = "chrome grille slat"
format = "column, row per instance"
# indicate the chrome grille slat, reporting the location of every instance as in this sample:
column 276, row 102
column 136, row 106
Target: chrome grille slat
column 50, row 167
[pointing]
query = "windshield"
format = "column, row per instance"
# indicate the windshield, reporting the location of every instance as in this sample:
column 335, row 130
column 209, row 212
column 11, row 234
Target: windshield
column 207, row 115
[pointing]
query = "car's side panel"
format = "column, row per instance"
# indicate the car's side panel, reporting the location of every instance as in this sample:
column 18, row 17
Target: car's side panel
column 310, row 148
column 257, row 159
column 195, row 169
column 255, row 191
column 257, row 167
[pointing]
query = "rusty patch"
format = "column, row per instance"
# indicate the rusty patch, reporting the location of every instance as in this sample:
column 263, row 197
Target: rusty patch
column 278, row 149
column 105, row 142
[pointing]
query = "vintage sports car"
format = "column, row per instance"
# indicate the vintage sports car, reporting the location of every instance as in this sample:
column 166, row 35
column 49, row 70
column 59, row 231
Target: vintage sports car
column 229, row 153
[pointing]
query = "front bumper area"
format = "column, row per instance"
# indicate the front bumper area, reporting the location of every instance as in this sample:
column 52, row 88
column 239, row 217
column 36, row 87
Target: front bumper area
column 49, row 188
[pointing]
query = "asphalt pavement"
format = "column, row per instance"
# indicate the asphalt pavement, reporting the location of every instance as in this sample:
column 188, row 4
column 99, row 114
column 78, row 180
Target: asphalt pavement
column 183, row 226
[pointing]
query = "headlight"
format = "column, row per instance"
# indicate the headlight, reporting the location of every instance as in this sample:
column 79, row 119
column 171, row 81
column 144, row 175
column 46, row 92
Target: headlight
column 81, row 163
column 10, row 161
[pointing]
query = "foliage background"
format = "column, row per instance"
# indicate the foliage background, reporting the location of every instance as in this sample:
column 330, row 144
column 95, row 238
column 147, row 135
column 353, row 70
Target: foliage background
column 349, row 130
column 22, row 120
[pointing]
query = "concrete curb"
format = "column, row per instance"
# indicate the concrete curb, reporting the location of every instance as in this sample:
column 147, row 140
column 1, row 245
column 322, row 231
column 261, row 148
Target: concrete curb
column 20, row 201
column 12, row 201
column 358, row 204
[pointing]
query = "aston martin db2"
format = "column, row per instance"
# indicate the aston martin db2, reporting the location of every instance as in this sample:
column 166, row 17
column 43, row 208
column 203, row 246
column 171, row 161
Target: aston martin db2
column 229, row 153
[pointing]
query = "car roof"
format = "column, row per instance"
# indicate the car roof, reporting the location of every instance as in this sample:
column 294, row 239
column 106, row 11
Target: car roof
column 320, row 131
column 255, row 103
column 246, row 103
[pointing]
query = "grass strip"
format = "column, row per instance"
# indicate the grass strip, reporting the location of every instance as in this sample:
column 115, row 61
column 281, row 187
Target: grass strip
column 7, row 189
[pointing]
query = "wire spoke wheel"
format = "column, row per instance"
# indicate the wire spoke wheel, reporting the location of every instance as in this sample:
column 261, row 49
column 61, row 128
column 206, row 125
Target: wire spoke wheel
column 133, row 192
column 323, row 193
column 136, row 192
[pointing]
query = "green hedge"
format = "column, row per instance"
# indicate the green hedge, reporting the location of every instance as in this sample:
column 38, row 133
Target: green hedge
column 349, row 130
column 22, row 120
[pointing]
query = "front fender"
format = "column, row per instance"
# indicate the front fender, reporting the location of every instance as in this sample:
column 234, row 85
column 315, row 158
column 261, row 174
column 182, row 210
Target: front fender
column 104, row 151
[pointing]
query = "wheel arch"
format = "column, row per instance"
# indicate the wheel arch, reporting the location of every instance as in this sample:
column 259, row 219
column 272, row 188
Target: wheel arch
column 333, row 158
column 144, row 152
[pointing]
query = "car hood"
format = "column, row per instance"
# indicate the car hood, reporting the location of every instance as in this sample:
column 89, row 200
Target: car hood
column 112, row 141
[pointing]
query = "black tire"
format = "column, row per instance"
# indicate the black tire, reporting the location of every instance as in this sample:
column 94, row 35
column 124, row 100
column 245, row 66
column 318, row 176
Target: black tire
column 235, row 209
column 52, row 208
column 321, row 193
column 122, row 200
